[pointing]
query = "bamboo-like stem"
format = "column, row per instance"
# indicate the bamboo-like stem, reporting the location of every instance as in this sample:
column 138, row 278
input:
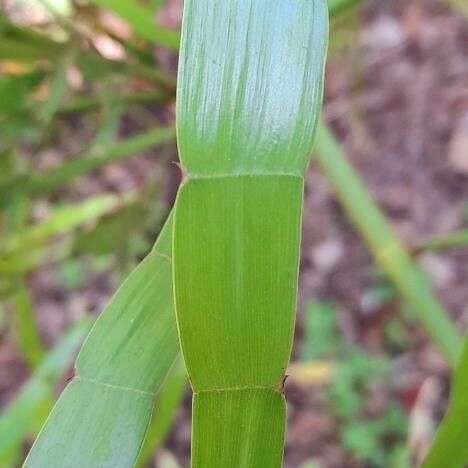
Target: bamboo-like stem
column 249, row 94
column 385, row 245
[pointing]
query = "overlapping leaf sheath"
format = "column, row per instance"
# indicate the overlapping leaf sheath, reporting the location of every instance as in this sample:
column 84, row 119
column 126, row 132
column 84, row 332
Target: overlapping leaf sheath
column 249, row 94
column 101, row 417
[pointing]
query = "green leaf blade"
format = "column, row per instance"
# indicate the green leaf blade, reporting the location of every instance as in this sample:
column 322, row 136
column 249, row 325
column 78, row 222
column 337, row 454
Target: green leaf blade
column 249, row 72
column 107, row 422
column 102, row 417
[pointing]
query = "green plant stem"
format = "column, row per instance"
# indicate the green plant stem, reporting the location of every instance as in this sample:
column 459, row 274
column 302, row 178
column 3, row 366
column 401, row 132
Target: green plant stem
column 28, row 336
column 449, row 241
column 248, row 100
column 29, row 339
column 385, row 246
column 142, row 20
column 89, row 103
column 83, row 163
column 337, row 6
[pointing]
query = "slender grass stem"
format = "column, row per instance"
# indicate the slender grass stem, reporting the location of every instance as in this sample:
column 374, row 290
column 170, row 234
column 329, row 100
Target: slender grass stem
column 337, row 6
column 448, row 241
column 385, row 246
column 84, row 163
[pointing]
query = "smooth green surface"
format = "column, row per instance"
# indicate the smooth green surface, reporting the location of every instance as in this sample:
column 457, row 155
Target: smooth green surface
column 385, row 245
column 248, row 98
column 102, row 417
column 236, row 254
column 249, row 85
column 247, row 425
column 450, row 448
column 107, row 423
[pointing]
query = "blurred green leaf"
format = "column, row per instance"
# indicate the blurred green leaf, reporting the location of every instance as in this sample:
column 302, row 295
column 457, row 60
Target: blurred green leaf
column 320, row 335
column 72, row 272
column 20, row 414
column 449, row 448
column 112, row 232
column 58, row 88
column 337, row 6
column 142, row 20
column 62, row 220
column 85, row 162
column 26, row 328
column 167, row 402
column 102, row 416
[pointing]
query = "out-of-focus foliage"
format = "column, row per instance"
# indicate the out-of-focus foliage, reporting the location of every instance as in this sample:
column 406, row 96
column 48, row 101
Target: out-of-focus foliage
column 77, row 93
column 354, row 375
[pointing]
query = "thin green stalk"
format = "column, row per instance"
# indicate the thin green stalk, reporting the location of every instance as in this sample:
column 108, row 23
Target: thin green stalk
column 62, row 220
column 337, row 6
column 448, row 241
column 28, row 338
column 89, row 103
column 142, row 20
column 248, row 97
column 83, row 163
column 25, row 319
column 385, row 246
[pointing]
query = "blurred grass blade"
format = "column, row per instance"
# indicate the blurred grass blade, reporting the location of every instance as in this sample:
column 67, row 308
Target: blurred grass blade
column 89, row 103
column 167, row 402
column 57, row 89
column 387, row 249
column 28, row 339
column 142, row 20
column 460, row 5
column 337, row 6
column 18, row 418
column 450, row 449
column 64, row 219
column 448, row 241
column 84, row 163
column 102, row 416
column 113, row 231
column 248, row 98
